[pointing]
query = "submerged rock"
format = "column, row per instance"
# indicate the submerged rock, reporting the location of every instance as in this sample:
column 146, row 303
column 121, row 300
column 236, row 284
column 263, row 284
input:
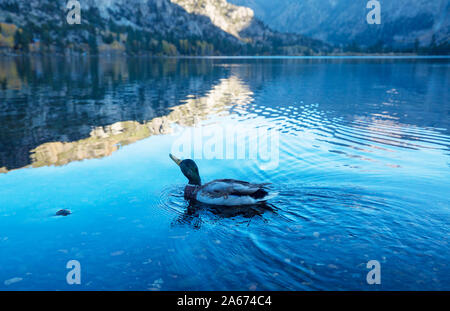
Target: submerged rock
column 12, row 281
column 63, row 212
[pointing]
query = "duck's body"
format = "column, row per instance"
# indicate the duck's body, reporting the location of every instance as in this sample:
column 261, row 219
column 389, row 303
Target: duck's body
column 226, row 192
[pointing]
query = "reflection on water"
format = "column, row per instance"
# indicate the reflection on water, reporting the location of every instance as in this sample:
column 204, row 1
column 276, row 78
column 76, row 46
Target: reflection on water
column 48, row 100
column 193, row 214
column 363, row 173
column 102, row 141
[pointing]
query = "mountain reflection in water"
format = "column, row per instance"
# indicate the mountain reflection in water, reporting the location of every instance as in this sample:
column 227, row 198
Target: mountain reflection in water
column 151, row 111
column 105, row 140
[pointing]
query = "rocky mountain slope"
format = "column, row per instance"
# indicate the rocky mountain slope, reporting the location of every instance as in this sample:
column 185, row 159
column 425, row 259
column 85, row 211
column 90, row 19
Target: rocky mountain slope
column 156, row 27
column 403, row 22
column 230, row 18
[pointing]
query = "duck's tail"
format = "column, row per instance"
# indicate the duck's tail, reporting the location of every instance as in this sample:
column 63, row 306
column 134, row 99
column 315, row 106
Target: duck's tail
column 259, row 194
column 267, row 195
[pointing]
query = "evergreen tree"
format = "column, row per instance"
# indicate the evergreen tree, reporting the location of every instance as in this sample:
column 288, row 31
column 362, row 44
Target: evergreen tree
column 130, row 42
column 92, row 42
column 416, row 46
column 433, row 41
column 46, row 40
column 108, row 39
column 17, row 39
column 21, row 40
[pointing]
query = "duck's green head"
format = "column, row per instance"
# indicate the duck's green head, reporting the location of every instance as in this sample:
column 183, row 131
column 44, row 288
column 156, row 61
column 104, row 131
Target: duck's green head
column 189, row 169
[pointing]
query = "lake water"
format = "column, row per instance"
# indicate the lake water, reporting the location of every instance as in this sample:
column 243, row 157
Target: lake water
column 359, row 156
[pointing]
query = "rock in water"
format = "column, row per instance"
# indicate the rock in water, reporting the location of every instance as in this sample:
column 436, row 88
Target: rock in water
column 12, row 281
column 63, row 212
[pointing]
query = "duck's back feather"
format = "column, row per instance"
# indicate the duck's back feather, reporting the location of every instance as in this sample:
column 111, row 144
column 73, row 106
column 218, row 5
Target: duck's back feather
column 232, row 192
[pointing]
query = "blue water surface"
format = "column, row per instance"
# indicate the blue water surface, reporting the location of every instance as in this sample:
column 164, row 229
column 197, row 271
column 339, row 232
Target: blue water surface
column 359, row 156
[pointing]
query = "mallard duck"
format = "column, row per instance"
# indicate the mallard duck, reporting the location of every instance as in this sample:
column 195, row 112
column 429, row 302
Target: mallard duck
column 226, row 192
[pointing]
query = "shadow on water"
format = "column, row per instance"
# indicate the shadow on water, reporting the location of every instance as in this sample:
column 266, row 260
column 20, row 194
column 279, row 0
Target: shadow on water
column 194, row 213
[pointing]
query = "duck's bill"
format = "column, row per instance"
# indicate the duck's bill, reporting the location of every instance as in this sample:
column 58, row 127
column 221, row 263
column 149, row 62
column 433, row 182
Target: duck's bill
column 175, row 159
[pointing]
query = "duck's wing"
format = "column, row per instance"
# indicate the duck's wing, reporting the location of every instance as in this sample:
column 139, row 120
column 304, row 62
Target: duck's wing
column 225, row 187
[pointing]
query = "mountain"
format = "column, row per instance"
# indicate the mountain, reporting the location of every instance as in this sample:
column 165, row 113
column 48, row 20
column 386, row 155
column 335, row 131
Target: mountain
column 155, row 27
column 404, row 23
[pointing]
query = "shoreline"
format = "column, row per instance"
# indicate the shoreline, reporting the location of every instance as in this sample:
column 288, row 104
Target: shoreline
column 335, row 56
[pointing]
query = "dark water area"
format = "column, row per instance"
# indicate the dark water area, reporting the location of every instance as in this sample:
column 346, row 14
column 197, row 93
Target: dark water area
column 359, row 157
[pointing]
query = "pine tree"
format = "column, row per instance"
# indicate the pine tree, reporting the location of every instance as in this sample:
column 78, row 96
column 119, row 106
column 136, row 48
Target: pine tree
column 416, row 45
column 46, row 40
column 21, row 40
column 108, row 39
column 17, row 39
column 92, row 42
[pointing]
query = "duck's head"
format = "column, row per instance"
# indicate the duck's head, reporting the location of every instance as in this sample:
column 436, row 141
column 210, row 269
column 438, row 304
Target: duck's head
column 189, row 169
